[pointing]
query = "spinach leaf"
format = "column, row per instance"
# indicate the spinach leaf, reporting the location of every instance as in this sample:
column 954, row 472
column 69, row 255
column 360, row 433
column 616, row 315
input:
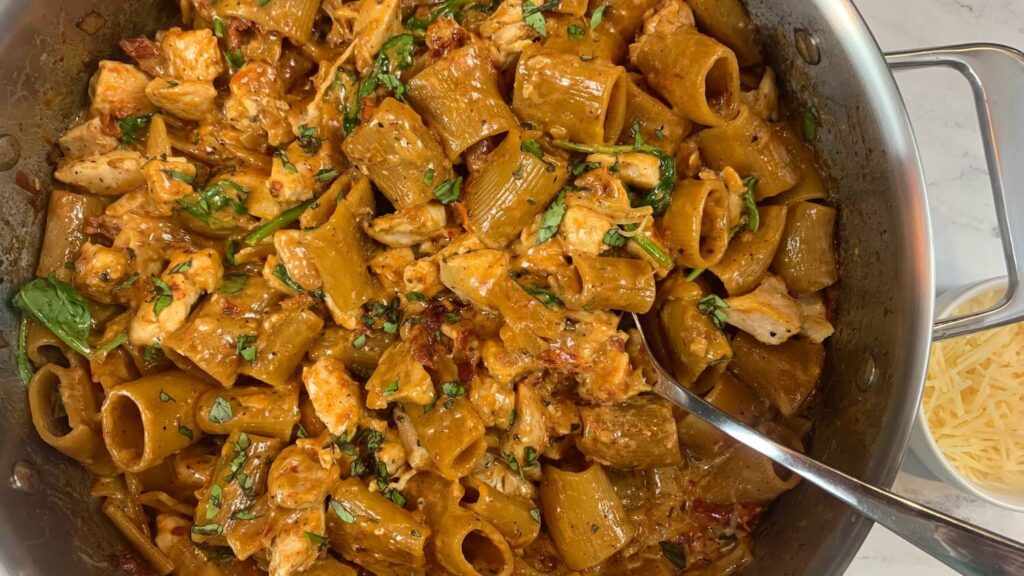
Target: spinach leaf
column 58, row 306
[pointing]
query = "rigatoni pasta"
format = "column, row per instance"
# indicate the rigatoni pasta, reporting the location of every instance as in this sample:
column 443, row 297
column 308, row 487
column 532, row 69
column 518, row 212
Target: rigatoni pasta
column 342, row 288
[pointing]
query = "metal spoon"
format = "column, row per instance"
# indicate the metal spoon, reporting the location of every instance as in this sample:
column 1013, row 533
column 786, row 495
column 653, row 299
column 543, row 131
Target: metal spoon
column 963, row 547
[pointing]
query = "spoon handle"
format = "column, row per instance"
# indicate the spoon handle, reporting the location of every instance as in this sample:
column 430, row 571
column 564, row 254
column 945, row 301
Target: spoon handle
column 963, row 547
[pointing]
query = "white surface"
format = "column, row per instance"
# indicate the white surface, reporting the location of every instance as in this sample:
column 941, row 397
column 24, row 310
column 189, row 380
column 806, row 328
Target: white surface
column 966, row 240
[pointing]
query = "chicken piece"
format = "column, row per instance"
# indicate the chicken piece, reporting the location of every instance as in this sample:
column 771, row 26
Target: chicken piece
column 378, row 20
column 582, row 230
column 107, row 174
column 399, row 377
column 634, row 168
column 611, row 378
column 494, row 471
column 474, row 276
column 256, row 103
column 170, row 529
column 293, row 254
column 423, row 276
column 735, row 187
column 416, row 455
column 408, row 226
column 816, row 326
column 168, row 181
column 191, row 55
column 389, row 266
column 561, row 416
column 336, row 397
column 670, row 15
column 270, row 274
column 187, row 277
column 508, row 32
column 493, row 400
column 297, row 479
column 505, row 365
column 291, row 551
column 764, row 101
column 443, row 36
column 293, row 174
column 119, row 90
column 99, row 270
column 86, row 139
column 188, row 99
column 392, row 453
column 769, row 313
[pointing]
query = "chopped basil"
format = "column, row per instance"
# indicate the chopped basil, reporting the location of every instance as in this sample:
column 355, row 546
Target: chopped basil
column 163, row 296
column 308, row 140
column 720, row 361
column 57, row 305
column 534, row 18
column 235, row 58
column 552, row 219
column 535, row 514
column 614, row 238
column 428, row 176
column 153, row 353
column 415, row 296
column 753, row 216
column 212, row 199
column 344, row 445
column 300, row 432
column 220, row 412
column 326, row 174
column 214, row 501
column 597, row 16
column 244, row 515
column 246, row 347
column 532, row 147
column 131, row 126
column 185, row 431
column 449, row 190
column 594, row 528
column 180, row 176
column 342, row 512
column 810, row 124
column 359, row 341
column 126, row 283
column 207, row 529
column 530, row 457
column 218, row 26
column 182, row 267
column 394, row 55
column 286, row 162
column 658, row 197
column 587, row 57
column 391, row 388
column 416, row 534
column 233, row 285
column 513, row 417
column 165, row 397
column 452, row 390
column 576, row 32
column 694, row 273
column 713, row 307
column 446, row 9
column 513, row 462
column 673, row 553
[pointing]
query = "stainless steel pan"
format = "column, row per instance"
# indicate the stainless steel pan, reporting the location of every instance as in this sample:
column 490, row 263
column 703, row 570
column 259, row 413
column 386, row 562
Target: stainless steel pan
column 824, row 51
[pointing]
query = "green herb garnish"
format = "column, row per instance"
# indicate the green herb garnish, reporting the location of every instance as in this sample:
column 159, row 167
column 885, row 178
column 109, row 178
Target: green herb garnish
column 60, row 308
column 552, row 219
column 449, row 190
column 714, row 307
column 246, row 347
column 131, row 126
column 220, row 412
column 276, row 223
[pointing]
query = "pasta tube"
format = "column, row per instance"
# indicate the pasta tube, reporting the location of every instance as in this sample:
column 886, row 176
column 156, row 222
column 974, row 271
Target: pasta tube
column 149, row 419
column 64, row 416
column 337, row 251
column 640, row 433
column 696, row 224
column 728, row 22
column 63, row 236
column 452, row 433
column 584, row 516
column 254, row 409
column 513, row 516
column 572, row 99
column 280, row 344
column 806, row 258
column 480, row 110
column 746, row 261
column 695, row 74
column 615, row 283
column 658, row 124
column 784, row 374
column 293, row 18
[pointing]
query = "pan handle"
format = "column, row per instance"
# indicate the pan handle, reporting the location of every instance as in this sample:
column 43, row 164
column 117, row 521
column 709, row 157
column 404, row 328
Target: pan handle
column 996, row 76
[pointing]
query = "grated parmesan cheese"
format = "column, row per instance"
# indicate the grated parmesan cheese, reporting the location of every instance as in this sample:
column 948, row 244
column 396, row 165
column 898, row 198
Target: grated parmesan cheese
column 974, row 401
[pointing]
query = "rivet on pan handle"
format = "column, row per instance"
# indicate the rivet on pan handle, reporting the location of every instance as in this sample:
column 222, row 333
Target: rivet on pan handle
column 996, row 76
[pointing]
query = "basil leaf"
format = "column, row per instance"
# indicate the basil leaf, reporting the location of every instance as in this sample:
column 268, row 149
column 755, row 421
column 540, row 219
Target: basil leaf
column 597, row 16
column 552, row 219
column 131, row 126
column 713, row 307
column 57, row 305
column 246, row 347
column 449, row 191
column 220, row 412
column 753, row 216
column 163, row 296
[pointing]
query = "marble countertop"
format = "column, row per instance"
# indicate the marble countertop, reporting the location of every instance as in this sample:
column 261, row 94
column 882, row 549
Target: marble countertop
column 967, row 245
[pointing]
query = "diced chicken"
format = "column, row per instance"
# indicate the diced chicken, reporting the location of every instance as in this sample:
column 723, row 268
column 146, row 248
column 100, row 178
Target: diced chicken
column 768, row 313
column 736, row 188
column 378, row 20
column 493, row 471
column 336, row 397
column 389, row 266
column 168, row 181
column 492, row 400
column 816, row 326
column 170, row 529
column 504, row 365
column 473, row 276
column 508, row 32
column 561, row 416
column 764, row 101
column 582, row 230
column 119, row 90
column 256, row 103
column 445, row 35
column 611, row 379
column 293, row 254
column 423, row 276
column 668, row 16
column 291, row 550
column 187, row 99
column 107, row 174
column 297, row 479
column 408, row 226
column 399, row 377
column 187, row 277
column 634, row 168
column 99, row 270
column 416, row 454
column 191, row 54
column 293, row 175
column 392, row 453
column 86, row 139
